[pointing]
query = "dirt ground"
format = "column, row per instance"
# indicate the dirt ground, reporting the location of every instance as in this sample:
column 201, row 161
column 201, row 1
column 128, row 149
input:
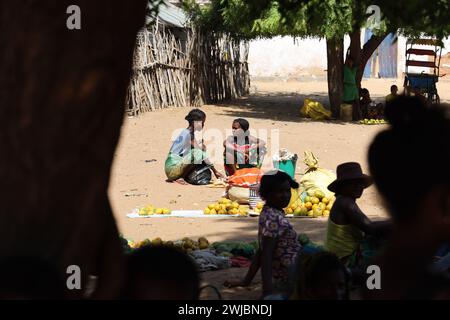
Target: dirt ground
column 138, row 175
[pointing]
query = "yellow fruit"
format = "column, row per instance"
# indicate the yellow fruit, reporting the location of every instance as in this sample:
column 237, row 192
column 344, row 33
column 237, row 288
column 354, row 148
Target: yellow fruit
column 242, row 213
column 289, row 211
column 221, row 211
column 294, row 206
column 159, row 211
column 317, row 213
column 310, row 213
column 223, row 200
column 297, row 211
column 307, row 199
column 211, row 206
column 143, row 212
column 315, row 206
column 203, row 243
column 189, row 244
column 315, row 200
column 206, row 211
column 166, row 211
column 326, row 213
column 329, row 206
column 217, row 207
column 308, row 205
column 235, row 205
column 319, row 194
column 322, row 206
column 157, row 242
column 213, row 211
column 310, row 193
column 259, row 205
column 303, row 211
column 325, row 200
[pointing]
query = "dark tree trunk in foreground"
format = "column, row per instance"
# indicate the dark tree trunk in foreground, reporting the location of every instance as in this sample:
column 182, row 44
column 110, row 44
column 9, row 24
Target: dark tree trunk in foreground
column 61, row 108
column 335, row 59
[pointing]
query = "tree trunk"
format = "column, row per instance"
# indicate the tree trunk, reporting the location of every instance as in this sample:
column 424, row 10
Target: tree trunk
column 62, row 95
column 368, row 49
column 360, row 57
column 335, row 58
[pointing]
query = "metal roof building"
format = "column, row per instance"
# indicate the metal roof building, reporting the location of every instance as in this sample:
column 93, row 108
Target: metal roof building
column 171, row 16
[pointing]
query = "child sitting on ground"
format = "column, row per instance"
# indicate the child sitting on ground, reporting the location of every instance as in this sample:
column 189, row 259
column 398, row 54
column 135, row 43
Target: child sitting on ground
column 347, row 224
column 370, row 109
column 161, row 273
column 393, row 94
column 321, row 276
column 278, row 243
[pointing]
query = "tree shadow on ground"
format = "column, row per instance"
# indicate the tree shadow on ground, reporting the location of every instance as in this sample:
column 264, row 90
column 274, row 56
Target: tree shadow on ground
column 274, row 106
column 313, row 228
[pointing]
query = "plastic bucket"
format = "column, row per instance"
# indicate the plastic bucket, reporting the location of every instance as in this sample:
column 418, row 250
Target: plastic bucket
column 254, row 197
column 287, row 166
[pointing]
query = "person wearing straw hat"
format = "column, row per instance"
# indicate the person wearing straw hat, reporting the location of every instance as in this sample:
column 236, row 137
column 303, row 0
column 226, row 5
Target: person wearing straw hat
column 347, row 225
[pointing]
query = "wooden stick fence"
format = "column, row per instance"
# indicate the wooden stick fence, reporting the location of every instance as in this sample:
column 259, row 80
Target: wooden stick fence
column 209, row 68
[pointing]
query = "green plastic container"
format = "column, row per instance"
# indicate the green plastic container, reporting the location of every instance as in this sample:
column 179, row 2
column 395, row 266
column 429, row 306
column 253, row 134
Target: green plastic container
column 287, row 166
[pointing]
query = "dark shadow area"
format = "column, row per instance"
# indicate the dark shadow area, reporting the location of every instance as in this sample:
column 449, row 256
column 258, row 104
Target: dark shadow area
column 274, row 106
column 247, row 231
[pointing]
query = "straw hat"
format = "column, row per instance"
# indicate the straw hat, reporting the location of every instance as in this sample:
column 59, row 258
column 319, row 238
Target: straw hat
column 349, row 171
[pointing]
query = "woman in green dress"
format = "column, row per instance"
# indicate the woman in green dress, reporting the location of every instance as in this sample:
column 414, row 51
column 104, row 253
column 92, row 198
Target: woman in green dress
column 351, row 92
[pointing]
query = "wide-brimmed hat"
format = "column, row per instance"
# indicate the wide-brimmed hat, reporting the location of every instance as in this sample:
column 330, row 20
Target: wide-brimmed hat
column 349, row 171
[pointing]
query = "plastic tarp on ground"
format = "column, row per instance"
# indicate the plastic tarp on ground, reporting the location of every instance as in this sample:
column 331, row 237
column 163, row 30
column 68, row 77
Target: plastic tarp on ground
column 182, row 214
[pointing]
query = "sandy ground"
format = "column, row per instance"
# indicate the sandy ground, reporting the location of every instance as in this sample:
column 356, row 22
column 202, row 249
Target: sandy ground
column 136, row 181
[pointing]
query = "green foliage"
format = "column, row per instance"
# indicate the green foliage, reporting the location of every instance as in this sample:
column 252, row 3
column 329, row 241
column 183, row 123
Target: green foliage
column 320, row 18
column 415, row 18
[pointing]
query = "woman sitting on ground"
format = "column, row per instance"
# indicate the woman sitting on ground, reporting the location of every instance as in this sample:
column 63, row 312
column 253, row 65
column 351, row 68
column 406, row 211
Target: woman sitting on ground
column 242, row 150
column 186, row 152
column 347, row 224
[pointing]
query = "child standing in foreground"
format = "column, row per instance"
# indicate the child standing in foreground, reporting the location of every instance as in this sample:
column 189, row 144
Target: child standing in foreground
column 278, row 243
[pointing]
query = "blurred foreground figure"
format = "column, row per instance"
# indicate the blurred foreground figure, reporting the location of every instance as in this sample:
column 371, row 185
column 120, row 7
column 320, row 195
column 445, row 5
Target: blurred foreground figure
column 161, row 273
column 410, row 166
column 29, row 279
column 62, row 98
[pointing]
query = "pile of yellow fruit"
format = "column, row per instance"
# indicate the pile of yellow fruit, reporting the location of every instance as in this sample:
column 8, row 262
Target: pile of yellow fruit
column 259, row 207
column 226, row 206
column 150, row 210
column 372, row 121
column 317, row 204
column 186, row 244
